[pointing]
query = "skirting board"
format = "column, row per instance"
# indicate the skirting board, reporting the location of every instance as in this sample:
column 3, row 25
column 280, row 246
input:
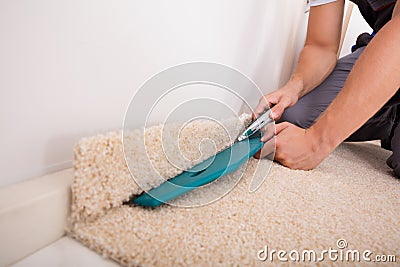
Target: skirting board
column 33, row 214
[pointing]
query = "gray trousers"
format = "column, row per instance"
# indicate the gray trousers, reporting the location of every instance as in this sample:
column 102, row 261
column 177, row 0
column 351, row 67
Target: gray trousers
column 382, row 126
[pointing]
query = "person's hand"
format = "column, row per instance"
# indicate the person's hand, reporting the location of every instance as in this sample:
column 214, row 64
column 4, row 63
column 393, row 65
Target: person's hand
column 298, row 148
column 278, row 101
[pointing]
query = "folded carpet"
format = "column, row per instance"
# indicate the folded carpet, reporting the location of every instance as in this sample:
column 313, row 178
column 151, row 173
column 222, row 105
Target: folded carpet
column 350, row 202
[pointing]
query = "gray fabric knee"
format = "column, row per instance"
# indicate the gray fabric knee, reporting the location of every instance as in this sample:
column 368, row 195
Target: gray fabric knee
column 299, row 115
column 310, row 106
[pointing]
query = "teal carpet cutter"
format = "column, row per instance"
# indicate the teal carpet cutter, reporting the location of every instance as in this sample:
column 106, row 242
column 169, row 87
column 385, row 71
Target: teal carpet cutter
column 224, row 162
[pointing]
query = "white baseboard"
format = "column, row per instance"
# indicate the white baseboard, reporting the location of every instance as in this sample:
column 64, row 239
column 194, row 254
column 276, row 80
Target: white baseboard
column 65, row 252
column 33, row 214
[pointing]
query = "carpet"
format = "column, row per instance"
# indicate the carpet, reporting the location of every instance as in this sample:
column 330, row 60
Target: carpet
column 349, row 204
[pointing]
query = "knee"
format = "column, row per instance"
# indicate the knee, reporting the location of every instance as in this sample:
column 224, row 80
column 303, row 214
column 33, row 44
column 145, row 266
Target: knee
column 299, row 115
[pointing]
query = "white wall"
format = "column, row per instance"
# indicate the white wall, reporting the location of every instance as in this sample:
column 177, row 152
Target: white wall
column 68, row 69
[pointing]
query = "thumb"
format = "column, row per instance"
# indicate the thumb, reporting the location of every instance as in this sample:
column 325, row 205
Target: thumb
column 280, row 107
column 265, row 102
column 277, row 110
column 282, row 126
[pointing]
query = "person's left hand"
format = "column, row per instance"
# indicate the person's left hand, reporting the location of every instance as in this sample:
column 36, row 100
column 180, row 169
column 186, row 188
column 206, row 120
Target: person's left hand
column 297, row 148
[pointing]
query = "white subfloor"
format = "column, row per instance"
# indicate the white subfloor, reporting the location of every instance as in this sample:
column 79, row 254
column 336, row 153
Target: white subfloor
column 65, row 252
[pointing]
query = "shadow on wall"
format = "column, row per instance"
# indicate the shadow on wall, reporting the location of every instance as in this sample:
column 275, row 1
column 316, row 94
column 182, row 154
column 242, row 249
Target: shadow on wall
column 54, row 156
column 71, row 68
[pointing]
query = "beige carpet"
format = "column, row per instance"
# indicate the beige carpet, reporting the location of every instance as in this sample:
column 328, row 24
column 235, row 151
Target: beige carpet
column 352, row 195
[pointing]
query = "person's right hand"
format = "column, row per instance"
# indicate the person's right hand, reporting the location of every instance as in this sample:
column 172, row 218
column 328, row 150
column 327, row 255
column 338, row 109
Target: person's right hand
column 278, row 101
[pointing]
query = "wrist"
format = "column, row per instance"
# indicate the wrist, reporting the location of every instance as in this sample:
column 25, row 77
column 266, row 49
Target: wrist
column 322, row 139
column 296, row 85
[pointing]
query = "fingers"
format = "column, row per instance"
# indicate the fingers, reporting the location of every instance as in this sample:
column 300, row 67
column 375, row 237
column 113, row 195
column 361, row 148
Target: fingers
column 268, row 149
column 277, row 111
column 280, row 107
column 277, row 101
column 269, row 132
column 271, row 142
column 264, row 103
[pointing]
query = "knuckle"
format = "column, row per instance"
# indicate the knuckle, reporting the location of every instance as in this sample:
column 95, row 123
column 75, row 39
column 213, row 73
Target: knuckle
column 276, row 112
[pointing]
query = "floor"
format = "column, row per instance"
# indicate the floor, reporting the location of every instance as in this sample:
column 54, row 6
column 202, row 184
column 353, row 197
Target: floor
column 65, row 252
column 350, row 202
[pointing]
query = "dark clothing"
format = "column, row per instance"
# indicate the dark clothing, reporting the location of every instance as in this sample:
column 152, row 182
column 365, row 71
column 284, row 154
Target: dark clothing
column 377, row 13
column 384, row 125
column 309, row 107
column 394, row 160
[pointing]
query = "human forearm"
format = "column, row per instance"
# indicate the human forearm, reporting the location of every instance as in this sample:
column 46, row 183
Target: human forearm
column 373, row 81
column 310, row 72
column 316, row 62
column 319, row 55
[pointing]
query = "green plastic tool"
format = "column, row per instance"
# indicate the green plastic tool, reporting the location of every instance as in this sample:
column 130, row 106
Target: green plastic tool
column 203, row 173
